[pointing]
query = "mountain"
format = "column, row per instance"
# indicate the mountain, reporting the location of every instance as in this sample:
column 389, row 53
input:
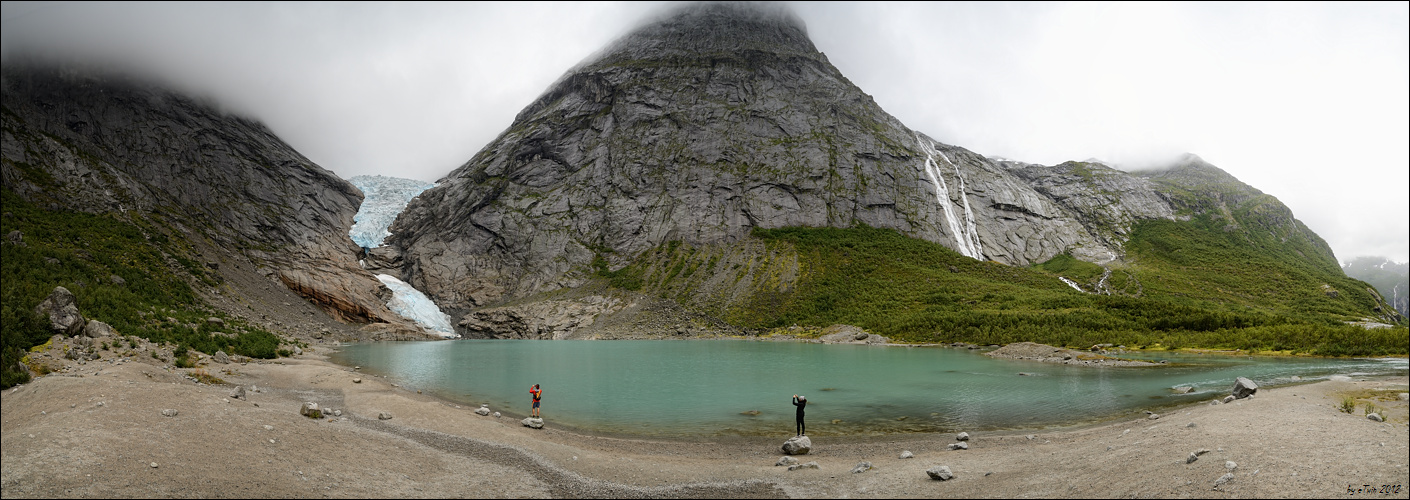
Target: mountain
column 1391, row 279
column 216, row 194
column 668, row 163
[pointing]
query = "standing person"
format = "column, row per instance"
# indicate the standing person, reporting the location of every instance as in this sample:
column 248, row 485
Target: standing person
column 538, row 395
column 800, row 402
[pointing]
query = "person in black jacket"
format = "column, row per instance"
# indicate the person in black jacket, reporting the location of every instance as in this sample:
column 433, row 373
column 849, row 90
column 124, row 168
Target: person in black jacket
column 800, row 402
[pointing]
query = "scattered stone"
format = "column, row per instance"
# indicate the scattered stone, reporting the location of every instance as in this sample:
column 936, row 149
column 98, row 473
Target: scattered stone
column 169, row 412
column 154, row 465
column 941, row 473
column 906, row 454
column 963, row 436
column 238, row 393
column 1374, row 417
column 1404, row 396
column 1025, row 374
column 786, row 460
column 861, row 467
column 1244, row 388
column 298, row 352
column 15, row 237
column 496, row 415
column 382, row 415
column 357, row 381
column 1203, row 451
column 221, row 357
column 1031, row 437
column 798, row 445
column 337, row 413
column 809, row 465
column 1229, row 399
column 215, row 322
column 1230, row 465
column 482, row 411
column 959, row 446
column 1191, row 425
column 1295, row 378
column 268, row 427
column 1216, row 403
column 1223, row 479
column 1153, row 416
column 1184, row 389
column 310, row 410
column 533, row 423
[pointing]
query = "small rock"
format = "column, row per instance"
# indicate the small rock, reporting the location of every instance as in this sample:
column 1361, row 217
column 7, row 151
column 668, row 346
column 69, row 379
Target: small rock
column 169, row 412
column 337, row 413
column 154, row 465
column 1025, row 374
column 1202, row 451
column 798, row 445
column 963, row 436
column 1223, row 479
column 221, row 357
column 1243, row 388
column 906, row 454
column 238, row 393
column 1229, row 399
column 269, row 427
column 357, row 381
column 533, row 423
column 809, row 465
column 1184, row 389
column 1216, row 403
column 1191, row 425
column 496, row 415
column 384, row 415
column 1191, row 459
column 482, row 411
column 941, row 473
column 1031, row 437
column 310, row 410
column 959, row 446
column 1404, row 396
column 1153, row 416
column 1230, row 465
column 786, row 460
column 861, row 467
column 1374, row 417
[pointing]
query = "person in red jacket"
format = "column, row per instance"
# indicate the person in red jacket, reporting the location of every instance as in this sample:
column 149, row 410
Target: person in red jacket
column 538, row 395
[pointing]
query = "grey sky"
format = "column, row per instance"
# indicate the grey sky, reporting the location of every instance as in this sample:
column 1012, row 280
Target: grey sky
column 1304, row 101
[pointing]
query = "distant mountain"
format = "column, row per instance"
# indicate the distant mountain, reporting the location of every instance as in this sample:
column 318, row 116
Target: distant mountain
column 1391, row 279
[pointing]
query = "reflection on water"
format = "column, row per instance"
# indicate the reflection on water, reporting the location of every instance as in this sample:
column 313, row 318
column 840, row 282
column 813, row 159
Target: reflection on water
column 733, row 387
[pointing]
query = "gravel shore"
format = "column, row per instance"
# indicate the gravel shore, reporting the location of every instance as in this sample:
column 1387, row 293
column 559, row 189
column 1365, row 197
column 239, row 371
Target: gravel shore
column 99, row 431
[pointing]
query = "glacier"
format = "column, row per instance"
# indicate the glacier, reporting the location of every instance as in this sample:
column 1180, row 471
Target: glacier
column 383, row 199
column 411, row 304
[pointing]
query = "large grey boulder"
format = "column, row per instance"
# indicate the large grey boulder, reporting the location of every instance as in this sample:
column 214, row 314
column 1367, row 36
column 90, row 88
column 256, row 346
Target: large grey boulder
column 62, row 312
column 221, row 357
column 533, row 423
column 941, row 473
column 798, row 445
column 97, row 329
column 1243, row 388
column 310, row 410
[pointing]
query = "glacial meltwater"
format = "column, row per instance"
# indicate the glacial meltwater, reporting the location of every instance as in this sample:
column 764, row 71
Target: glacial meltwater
column 682, row 388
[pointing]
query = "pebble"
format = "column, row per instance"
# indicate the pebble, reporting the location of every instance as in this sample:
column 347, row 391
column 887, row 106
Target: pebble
column 1229, row 464
column 906, row 454
column 268, row 427
column 154, row 465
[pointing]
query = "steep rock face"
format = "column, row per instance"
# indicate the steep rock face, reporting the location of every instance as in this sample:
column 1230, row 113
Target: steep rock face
column 713, row 121
column 106, row 144
column 1105, row 200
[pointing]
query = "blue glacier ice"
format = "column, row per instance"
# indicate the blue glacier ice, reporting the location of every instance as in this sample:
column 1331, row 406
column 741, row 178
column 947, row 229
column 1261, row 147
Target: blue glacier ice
column 416, row 306
column 383, row 199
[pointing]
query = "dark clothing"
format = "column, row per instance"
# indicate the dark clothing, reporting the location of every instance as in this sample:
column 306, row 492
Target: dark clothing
column 799, row 416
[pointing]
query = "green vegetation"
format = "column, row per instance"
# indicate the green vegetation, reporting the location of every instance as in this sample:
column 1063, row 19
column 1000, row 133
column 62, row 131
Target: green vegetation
column 1220, row 296
column 150, row 297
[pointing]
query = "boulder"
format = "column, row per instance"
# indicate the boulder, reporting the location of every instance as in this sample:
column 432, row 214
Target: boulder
column 384, row 416
column 117, row 280
column 1244, row 388
column 215, row 322
column 1230, row 465
column 959, row 446
column 963, row 436
column 97, row 329
column 809, row 465
column 238, row 393
column 1191, row 459
column 1223, row 479
column 1229, row 399
column 169, row 412
column 861, row 467
column 533, row 423
column 786, row 460
column 906, row 454
column 941, row 473
column 221, row 357
column 1374, row 417
column 798, row 445
column 62, row 312
column 482, row 411
column 496, row 415
column 310, row 410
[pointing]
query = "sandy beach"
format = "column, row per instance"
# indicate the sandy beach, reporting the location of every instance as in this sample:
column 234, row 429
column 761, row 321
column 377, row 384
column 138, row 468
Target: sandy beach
column 98, row 430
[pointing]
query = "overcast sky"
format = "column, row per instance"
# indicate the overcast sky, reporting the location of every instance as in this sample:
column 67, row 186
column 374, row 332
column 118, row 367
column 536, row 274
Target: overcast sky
column 1304, row 101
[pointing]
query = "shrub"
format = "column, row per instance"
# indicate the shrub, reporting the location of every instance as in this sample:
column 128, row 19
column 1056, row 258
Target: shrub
column 1348, row 404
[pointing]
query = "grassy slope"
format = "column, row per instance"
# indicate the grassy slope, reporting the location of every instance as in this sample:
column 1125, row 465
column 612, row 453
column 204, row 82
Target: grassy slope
column 916, row 291
column 82, row 252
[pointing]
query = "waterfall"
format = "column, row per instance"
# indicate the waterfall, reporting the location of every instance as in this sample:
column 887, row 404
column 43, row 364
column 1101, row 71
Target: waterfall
column 966, row 238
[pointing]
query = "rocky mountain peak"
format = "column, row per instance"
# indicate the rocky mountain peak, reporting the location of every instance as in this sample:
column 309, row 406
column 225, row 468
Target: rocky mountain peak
column 710, row 29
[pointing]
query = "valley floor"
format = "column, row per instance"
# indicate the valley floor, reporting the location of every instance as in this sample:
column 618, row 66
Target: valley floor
column 99, row 431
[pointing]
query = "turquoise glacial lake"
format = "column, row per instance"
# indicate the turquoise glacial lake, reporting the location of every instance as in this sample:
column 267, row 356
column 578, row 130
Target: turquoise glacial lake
column 686, row 388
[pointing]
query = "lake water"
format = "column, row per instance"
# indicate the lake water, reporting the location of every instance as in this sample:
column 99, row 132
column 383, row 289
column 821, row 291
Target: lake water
column 676, row 388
